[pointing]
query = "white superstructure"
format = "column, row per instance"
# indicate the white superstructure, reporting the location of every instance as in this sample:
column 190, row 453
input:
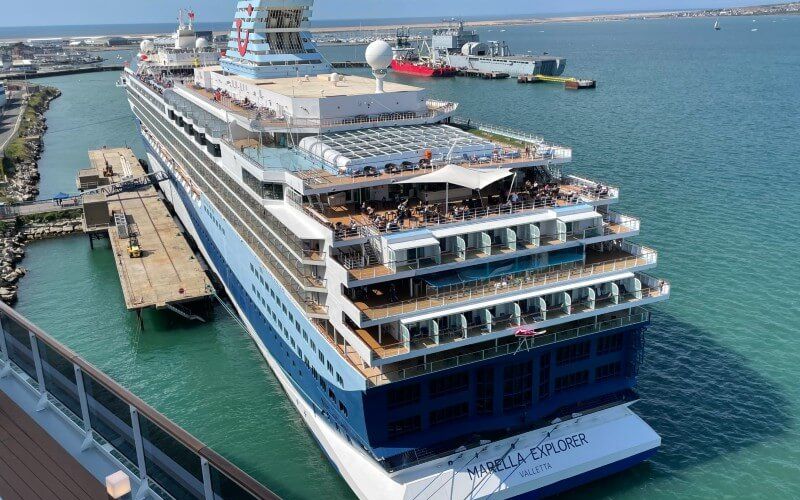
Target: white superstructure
column 187, row 51
column 452, row 315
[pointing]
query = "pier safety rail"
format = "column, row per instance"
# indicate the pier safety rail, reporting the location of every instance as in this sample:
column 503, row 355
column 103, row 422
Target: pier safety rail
column 165, row 460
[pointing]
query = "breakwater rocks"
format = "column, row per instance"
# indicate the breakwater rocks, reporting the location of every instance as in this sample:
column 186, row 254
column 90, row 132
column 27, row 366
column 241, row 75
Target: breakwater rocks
column 13, row 239
column 23, row 153
column 12, row 251
column 54, row 229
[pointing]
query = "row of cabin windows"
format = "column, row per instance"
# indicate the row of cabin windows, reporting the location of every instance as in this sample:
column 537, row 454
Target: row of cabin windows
column 214, row 219
column 582, row 350
column 292, row 322
column 517, row 379
column 517, row 393
column 441, row 416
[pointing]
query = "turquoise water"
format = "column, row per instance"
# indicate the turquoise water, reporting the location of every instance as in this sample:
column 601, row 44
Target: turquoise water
column 698, row 128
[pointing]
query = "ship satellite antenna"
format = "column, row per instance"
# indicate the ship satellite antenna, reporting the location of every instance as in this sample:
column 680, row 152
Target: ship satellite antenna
column 379, row 57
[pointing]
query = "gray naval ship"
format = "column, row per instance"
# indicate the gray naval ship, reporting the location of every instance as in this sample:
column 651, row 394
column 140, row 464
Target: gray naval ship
column 463, row 50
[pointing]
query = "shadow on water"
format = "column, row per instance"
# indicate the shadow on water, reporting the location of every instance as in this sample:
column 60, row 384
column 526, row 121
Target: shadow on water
column 703, row 399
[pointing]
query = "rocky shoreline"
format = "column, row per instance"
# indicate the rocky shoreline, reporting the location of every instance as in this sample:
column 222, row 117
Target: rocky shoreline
column 22, row 155
column 22, row 173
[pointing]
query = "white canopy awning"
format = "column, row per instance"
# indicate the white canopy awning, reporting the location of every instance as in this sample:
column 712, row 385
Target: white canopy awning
column 416, row 243
column 461, row 176
column 579, row 216
column 494, row 223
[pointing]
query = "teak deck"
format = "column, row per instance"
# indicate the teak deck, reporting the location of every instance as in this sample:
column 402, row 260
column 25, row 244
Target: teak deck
column 34, row 466
column 167, row 272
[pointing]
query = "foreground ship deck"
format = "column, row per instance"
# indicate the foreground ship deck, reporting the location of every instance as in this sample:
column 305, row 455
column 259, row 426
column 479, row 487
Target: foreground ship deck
column 426, row 288
column 65, row 427
column 34, row 465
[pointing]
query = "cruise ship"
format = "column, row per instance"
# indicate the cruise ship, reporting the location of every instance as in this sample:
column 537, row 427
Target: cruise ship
column 452, row 313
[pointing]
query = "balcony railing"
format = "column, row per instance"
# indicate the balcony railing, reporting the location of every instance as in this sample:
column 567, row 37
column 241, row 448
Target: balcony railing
column 508, row 283
column 511, row 321
column 503, row 157
column 640, row 317
column 267, row 119
column 289, row 281
column 166, row 458
column 363, row 267
column 245, row 212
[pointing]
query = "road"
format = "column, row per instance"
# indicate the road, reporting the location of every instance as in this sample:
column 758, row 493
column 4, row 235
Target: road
column 9, row 122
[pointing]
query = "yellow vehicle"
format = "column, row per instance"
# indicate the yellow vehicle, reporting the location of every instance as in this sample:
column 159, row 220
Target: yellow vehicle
column 134, row 251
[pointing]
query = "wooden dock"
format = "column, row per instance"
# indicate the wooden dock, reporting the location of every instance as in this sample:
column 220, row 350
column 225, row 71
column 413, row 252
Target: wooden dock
column 167, row 273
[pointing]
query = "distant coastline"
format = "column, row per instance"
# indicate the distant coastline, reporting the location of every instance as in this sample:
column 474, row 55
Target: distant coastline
column 14, row 34
column 792, row 8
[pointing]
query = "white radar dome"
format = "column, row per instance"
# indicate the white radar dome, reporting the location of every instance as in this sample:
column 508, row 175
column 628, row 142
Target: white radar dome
column 147, row 46
column 378, row 55
column 201, row 43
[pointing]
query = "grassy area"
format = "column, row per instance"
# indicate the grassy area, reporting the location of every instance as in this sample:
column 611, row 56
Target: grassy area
column 51, row 216
column 497, row 138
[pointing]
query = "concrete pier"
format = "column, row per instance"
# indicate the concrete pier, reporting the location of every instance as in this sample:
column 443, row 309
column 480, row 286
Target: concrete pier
column 166, row 273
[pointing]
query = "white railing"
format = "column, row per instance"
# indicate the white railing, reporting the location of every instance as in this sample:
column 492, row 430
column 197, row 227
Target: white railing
column 493, row 352
column 480, row 289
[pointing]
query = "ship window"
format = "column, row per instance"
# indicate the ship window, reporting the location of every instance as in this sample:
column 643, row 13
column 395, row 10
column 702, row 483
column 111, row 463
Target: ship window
column 404, row 426
column 330, row 367
column 448, row 414
column 544, row 376
column 339, row 379
column 331, row 394
column 572, row 353
column 517, row 386
column 448, row 384
column 572, row 381
column 609, row 344
column 342, row 408
column 484, row 391
column 397, row 397
column 608, row 371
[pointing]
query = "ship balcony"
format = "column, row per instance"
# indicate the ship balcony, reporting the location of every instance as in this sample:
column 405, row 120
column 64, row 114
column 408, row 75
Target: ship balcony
column 513, row 241
column 349, row 222
column 508, row 345
column 417, row 338
column 301, row 283
column 387, row 302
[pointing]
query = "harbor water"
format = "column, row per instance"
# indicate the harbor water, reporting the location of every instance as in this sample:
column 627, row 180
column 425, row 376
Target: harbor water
column 697, row 127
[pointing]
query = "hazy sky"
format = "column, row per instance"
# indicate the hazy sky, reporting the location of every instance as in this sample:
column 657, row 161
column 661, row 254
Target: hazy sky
column 59, row 12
